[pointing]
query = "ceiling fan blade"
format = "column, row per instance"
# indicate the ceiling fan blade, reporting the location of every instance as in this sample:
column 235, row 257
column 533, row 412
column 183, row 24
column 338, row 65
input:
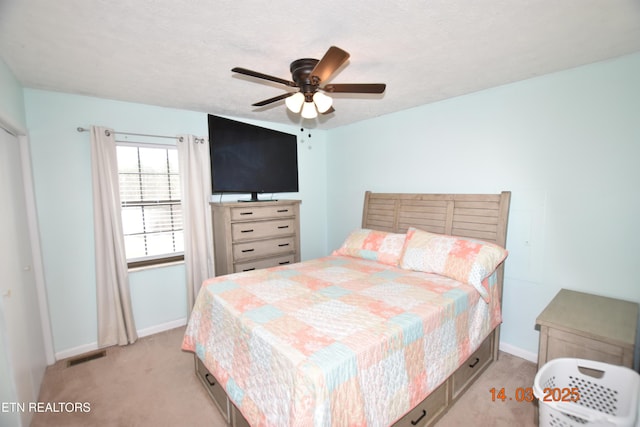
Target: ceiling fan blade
column 329, row 111
column 263, row 76
column 355, row 88
column 330, row 62
column 274, row 99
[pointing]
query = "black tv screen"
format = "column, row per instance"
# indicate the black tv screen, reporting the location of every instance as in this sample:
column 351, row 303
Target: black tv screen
column 251, row 159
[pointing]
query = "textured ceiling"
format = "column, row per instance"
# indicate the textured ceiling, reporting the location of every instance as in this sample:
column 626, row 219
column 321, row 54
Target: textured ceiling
column 179, row 53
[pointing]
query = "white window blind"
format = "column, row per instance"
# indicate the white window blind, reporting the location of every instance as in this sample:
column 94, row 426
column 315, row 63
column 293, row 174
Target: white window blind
column 150, row 197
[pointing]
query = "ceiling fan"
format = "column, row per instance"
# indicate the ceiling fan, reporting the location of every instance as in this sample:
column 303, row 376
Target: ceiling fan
column 307, row 75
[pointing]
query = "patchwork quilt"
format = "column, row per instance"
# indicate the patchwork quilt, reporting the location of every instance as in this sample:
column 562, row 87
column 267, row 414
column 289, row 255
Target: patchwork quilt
column 336, row 341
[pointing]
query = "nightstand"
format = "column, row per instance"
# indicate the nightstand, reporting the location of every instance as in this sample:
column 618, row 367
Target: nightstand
column 581, row 325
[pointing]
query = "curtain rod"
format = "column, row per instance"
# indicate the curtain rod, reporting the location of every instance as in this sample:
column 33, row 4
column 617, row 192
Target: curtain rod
column 81, row 129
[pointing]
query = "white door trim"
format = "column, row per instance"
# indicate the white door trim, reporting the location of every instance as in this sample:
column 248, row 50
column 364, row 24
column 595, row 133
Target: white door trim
column 34, row 234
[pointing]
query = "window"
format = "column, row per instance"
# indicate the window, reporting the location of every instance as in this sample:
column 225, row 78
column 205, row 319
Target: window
column 151, row 209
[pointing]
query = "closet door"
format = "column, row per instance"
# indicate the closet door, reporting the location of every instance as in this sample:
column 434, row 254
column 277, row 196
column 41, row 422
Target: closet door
column 21, row 341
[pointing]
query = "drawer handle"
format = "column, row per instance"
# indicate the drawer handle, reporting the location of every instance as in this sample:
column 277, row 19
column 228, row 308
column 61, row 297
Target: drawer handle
column 208, row 377
column 250, row 230
column 281, row 227
column 247, row 250
column 283, row 210
column 284, row 262
column 249, row 269
column 475, row 362
column 246, row 213
column 282, row 245
column 424, row 414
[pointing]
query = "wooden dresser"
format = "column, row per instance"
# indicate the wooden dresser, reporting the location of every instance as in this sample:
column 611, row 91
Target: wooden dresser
column 253, row 235
column 585, row 326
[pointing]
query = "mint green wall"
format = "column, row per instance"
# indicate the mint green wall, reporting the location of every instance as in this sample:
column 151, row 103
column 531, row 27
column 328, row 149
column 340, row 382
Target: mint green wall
column 11, row 100
column 568, row 147
column 62, row 176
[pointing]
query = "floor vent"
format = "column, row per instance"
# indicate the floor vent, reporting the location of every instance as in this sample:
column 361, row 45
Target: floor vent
column 86, row 358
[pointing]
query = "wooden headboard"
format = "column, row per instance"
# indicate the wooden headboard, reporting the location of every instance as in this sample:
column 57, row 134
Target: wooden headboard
column 478, row 216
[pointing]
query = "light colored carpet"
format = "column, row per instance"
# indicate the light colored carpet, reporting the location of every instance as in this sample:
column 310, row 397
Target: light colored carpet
column 153, row 383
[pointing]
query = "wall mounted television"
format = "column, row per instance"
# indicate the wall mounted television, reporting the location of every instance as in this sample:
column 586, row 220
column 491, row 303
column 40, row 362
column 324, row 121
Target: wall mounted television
column 251, row 159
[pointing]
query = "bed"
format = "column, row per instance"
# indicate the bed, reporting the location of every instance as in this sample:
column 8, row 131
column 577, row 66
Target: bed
column 390, row 329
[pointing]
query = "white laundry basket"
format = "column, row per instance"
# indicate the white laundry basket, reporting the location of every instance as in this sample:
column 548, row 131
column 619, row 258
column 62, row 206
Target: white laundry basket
column 604, row 394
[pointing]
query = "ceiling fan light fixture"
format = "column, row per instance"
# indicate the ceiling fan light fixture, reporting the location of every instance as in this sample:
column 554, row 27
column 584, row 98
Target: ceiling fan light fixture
column 294, row 102
column 322, row 101
column 309, row 110
column 307, row 74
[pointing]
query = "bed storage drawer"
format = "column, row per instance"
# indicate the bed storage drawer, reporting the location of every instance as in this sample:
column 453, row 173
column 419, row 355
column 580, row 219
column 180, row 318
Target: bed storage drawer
column 237, row 419
column 428, row 410
column 473, row 366
column 214, row 389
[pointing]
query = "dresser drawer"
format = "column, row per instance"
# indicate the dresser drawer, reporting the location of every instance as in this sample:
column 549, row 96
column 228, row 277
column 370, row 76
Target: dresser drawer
column 427, row 410
column 261, row 212
column 263, row 248
column 264, row 263
column 214, row 388
column 261, row 229
column 565, row 344
column 473, row 365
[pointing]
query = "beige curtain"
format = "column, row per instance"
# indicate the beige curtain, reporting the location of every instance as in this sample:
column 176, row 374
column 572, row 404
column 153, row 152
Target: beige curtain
column 195, row 179
column 115, row 317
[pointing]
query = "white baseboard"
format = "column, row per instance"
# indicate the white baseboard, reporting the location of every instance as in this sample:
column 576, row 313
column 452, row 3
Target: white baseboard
column 162, row 327
column 519, row 352
column 76, row 351
column 87, row 348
